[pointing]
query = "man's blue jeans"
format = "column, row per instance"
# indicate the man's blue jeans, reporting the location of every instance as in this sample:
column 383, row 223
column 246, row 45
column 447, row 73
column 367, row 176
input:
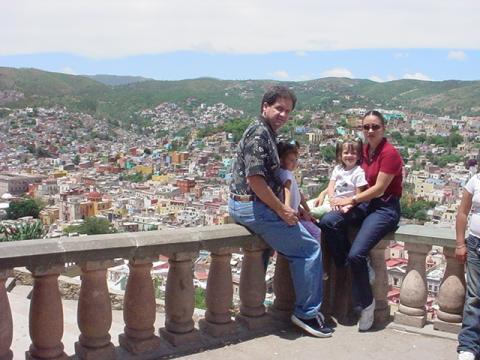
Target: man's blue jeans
column 295, row 243
column 469, row 336
column 377, row 218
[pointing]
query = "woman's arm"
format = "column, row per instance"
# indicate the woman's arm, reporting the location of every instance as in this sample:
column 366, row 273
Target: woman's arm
column 377, row 190
column 461, row 226
column 361, row 189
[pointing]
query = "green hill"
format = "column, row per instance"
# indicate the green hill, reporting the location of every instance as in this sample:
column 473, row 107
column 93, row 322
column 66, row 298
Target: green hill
column 91, row 94
column 116, row 80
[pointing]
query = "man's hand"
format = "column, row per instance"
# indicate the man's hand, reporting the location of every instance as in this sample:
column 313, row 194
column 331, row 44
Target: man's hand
column 461, row 253
column 288, row 215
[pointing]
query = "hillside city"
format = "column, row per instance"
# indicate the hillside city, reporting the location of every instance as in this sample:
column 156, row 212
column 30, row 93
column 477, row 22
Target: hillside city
column 82, row 175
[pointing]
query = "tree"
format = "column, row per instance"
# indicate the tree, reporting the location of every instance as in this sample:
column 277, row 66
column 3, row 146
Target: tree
column 328, row 153
column 76, row 159
column 24, row 207
column 91, row 226
column 21, row 232
column 200, row 296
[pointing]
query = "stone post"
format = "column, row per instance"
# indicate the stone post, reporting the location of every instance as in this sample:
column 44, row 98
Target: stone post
column 284, row 291
column 6, row 323
column 180, row 301
column 413, row 293
column 139, row 309
column 451, row 296
column 46, row 315
column 380, row 286
column 253, row 288
column 94, row 313
column 218, row 321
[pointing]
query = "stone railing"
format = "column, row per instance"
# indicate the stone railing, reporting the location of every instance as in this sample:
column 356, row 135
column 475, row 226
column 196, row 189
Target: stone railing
column 94, row 254
column 413, row 293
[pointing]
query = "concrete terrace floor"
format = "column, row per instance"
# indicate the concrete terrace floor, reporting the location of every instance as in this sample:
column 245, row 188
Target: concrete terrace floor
column 346, row 343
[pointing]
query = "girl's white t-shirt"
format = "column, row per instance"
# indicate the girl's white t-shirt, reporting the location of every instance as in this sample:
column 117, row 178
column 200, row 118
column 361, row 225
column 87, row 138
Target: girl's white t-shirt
column 347, row 181
column 473, row 187
column 284, row 176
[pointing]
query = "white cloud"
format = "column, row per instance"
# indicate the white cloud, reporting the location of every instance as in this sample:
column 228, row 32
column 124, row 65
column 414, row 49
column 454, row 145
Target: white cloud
column 117, row 28
column 67, row 70
column 337, row 72
column 417, row 76
column 376, row 78
column 457, row 55
column 280, row 74
column 391, row 77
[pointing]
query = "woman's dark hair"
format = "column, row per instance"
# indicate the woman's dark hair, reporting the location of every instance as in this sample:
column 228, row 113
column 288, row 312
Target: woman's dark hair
column 376, row 113
column 285, row 148
column 278, row 92
column 355, row 145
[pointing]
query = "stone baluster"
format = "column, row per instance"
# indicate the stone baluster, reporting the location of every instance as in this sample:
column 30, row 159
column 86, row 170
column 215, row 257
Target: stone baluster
column 6, row 324
column 451, row 295
column 94, row 313
column 252, row 288
column 413, row 293
column 139, row 309
column 46, row 315
column 218, row 321
column 380, row 286
column 284, row 291
column 180, row 301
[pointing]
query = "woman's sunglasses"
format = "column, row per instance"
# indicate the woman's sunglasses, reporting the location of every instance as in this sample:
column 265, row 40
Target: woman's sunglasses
column 374, row 127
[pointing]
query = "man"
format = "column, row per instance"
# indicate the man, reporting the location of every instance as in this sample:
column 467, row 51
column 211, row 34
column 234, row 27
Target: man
column 254, row 203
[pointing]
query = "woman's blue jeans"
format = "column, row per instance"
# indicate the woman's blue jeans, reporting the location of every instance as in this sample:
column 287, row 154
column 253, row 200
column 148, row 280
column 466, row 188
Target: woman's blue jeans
column 376, row 219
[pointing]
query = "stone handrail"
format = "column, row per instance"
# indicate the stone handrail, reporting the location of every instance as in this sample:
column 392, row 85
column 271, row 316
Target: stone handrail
column 94, row 254
column 413, row 293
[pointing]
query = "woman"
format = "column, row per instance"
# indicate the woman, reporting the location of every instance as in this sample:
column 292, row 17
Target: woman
column 376, row 210
column 469, row 251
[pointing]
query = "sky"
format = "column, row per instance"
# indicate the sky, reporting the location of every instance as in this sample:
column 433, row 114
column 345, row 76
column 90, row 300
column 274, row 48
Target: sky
column 380, row 40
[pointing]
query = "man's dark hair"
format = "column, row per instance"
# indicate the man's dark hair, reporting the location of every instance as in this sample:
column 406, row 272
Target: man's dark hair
column 278, row 92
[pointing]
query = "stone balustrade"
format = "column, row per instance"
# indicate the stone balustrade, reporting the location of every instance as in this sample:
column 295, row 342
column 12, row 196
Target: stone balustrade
column 140, row 340
column 413, row 293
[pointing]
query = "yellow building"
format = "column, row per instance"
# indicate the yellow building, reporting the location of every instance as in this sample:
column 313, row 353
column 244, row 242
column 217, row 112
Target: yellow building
column 60, row 173
column 49, row 215
column 163, row 179
column 143, row 169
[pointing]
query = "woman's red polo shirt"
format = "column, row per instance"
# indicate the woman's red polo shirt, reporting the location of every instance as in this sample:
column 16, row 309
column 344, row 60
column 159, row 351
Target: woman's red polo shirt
column 386, row 159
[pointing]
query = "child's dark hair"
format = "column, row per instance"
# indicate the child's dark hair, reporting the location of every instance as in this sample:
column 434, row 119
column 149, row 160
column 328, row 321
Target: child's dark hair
column 285, row 148
column 352, row 144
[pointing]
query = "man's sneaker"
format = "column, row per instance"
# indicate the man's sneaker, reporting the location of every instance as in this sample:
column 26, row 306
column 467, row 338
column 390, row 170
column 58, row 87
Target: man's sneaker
column 371, row 272
column 466, row 355
column 315, row 326
column 367, row 317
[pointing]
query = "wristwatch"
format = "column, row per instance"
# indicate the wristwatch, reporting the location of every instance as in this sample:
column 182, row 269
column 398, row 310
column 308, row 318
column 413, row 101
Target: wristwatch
column 354, row 200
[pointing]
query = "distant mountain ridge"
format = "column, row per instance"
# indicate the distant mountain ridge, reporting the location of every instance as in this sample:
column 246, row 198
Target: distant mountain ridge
column 116, row 80
column 119, row 97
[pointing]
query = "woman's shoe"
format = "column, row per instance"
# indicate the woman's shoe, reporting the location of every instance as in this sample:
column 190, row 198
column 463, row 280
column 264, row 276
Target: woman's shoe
column 366, row 317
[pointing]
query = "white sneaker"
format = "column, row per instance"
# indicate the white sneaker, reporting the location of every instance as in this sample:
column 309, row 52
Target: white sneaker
column 466, row 355
column 366, row 317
